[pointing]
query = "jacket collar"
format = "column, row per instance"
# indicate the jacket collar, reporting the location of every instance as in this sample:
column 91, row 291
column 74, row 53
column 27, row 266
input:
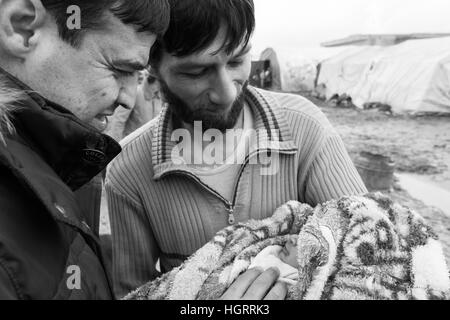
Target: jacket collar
column 273, row 132
column 75, row 151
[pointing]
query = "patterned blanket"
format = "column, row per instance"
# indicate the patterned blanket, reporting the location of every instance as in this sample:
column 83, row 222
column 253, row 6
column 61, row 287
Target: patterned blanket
column 357, row 247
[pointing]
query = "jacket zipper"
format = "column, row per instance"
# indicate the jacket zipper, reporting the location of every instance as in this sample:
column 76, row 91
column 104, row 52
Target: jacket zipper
column 230, row 206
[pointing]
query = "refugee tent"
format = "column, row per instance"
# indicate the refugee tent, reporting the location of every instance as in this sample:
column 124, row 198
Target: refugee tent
column 295, row 70
column 344, row 71
column 412, row 77
column 270, row 55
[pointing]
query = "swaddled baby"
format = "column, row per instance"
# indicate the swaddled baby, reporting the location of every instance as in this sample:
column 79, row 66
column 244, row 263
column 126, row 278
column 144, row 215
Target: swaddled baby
column 282, row 257
column 356, row 247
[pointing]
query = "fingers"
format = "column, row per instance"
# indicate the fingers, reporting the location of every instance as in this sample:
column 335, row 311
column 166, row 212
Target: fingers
column 278, row 292
column 257, row 285
column 261, row 286
column 241, row 285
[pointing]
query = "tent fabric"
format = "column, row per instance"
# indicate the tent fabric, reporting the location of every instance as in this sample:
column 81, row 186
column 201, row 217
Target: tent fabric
column 344, row 71
column 271, row 55
column 295, row 70
column 412, row 77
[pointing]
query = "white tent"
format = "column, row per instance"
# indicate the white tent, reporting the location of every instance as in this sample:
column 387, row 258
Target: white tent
column 295, row 70
column 412, row 77
column 341, row 73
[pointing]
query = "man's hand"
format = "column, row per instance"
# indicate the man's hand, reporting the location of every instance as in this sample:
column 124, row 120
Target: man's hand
column 257, row 285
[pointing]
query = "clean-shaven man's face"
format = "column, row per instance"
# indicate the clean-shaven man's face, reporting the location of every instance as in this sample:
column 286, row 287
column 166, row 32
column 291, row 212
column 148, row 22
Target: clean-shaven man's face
column 207, row 86
column 90, row 81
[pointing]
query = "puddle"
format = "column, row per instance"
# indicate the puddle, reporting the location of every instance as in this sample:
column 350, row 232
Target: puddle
column 427, row 192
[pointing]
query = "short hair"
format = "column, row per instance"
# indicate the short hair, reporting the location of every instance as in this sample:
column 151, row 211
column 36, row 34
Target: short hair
column 195, row 24
column 145, row 15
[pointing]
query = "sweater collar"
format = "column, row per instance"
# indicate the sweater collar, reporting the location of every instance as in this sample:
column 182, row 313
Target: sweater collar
column 76, row 151
column 272, row 129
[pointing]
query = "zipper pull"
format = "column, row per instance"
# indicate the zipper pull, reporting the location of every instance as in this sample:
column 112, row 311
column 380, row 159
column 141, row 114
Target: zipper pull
column 231, row 219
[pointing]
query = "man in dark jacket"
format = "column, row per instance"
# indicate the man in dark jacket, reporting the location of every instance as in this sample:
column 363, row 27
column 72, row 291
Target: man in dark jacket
column 64, row 67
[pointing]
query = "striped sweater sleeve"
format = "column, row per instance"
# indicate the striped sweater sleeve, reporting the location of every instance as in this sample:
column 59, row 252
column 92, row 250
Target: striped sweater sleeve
column 135, row 252
column 332, row 173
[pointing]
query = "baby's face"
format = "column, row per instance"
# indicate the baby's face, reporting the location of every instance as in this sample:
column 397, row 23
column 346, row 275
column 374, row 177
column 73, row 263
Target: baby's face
column 289, row 252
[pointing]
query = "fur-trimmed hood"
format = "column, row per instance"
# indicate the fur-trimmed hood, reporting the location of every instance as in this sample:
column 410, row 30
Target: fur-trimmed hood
column 8, row 99
column 76, row 151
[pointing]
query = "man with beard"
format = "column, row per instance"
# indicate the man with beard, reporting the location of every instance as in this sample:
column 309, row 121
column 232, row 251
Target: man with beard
column 166, row 202
column 57, row 86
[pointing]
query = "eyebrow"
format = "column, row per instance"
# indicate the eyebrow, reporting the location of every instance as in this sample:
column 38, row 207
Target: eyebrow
column 129, row 64
column 194, row 65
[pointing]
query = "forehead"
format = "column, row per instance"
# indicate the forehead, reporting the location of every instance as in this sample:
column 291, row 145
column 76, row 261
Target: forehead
column 214, row 53
column 120, row 41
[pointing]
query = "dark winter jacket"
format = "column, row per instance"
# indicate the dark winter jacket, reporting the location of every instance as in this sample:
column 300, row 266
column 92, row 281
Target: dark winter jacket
column 49, row 246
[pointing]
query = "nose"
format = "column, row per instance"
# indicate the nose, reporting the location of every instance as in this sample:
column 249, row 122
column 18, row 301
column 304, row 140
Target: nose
column 224, row 91
column 128, row 91
column 292, row 241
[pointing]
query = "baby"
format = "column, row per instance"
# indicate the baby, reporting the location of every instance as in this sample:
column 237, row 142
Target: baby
column 283, row 258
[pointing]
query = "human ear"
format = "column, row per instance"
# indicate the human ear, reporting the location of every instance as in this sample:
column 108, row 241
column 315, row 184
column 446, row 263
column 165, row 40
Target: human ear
column 20, row 21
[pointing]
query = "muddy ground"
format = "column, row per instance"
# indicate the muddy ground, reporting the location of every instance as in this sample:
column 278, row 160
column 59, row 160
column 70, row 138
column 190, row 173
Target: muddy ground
column 419, row 145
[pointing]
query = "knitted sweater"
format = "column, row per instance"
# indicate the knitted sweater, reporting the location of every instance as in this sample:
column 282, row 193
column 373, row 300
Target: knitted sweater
column 161, row 210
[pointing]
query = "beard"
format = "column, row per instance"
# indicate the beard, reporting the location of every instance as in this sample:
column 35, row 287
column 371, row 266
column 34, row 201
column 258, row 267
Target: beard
column 203, row 113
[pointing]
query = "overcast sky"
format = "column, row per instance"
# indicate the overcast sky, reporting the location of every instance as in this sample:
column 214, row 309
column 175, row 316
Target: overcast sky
column 301, row 23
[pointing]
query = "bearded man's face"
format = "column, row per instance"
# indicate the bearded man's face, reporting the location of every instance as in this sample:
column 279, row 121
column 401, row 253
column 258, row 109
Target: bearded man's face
column 207, row 86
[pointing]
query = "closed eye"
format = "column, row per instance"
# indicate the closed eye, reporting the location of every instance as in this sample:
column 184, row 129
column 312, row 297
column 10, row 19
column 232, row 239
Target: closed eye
column 125, row 73
column 196, row 74
column 235, row 63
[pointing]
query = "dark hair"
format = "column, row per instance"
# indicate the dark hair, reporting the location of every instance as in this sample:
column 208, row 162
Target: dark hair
column 145, row 15
column 194, row 24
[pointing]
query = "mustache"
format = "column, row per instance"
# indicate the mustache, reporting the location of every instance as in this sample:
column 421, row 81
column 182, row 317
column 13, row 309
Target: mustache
column 172, row 98
column 213, row 106
column 205, row 112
